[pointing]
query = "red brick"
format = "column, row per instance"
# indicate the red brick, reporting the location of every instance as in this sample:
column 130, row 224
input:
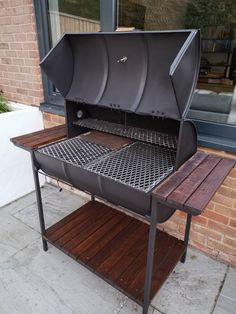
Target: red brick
column 5, row 60
column 218, row 227
column 197, row 237
column 200, row 220
column 226, row 191
column 18, row 61
column 4, row 46
column 33, row 54
column 232, row 173
column 221, row 247
column 232, row 223
column 230, row 182
column 227, row 201
column 229, row 241
column 208, row 232
column 226, row 211
column 216, row 217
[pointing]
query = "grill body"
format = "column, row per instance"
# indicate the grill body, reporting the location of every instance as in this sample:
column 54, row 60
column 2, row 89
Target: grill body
column 127, row 96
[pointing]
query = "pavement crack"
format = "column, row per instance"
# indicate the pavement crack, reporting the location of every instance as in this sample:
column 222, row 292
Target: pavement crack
column 220, row 289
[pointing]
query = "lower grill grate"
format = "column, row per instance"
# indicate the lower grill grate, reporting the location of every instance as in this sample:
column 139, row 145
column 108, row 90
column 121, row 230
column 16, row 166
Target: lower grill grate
column 153, row 137
column 75, row 151
column 141, row 166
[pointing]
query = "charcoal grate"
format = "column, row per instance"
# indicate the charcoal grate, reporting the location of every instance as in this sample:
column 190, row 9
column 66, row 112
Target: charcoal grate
column 75, row 151
column 144, row 135
column 141, row 166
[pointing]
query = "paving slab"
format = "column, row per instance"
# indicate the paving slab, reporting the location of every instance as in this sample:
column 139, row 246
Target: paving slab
column 27, row 200
column 131, row 307
column 56, row 206
column 226, row 303
column 192, row 287
column 50, row 282
column 14, row 236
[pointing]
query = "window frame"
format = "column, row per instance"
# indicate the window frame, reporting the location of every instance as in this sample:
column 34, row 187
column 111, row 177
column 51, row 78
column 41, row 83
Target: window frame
column 210, row 134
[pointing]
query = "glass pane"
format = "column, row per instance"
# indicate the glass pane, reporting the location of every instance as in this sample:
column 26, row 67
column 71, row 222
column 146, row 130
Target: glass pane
column 73, row 16
column 215, row 97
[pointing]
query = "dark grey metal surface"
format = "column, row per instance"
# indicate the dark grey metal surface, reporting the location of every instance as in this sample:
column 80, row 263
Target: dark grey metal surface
column 145, row 135
column 149, row 73
column 140, row 166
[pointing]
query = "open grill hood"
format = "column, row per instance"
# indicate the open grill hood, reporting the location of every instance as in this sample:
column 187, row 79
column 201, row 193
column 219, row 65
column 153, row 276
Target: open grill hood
column 126, row 98
column 147, row 73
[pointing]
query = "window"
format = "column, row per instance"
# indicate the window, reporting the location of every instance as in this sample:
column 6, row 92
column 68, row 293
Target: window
column 214, row 104
column 55, row 17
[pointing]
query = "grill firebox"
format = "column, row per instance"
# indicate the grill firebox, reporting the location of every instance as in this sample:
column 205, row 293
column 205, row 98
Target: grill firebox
column 134, row 110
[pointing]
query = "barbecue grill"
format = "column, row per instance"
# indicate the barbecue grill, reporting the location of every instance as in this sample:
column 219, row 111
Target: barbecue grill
column 126, row 100
column 136, row 87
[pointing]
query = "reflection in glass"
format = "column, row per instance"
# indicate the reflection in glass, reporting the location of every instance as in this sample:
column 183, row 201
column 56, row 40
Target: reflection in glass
column 215, row 97
column 73, row 16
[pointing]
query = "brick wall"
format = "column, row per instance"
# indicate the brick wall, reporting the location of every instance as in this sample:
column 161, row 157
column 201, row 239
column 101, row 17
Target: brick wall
column 214, row 232
column 20, row 76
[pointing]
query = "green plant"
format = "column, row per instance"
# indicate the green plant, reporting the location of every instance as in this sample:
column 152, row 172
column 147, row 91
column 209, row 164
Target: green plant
column 3, row 103
column 215, row 18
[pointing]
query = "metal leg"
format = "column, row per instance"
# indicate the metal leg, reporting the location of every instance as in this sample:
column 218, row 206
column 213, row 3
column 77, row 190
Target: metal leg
column 150, row 256
column 186, row 236
column 92, row 197
column 39, row 202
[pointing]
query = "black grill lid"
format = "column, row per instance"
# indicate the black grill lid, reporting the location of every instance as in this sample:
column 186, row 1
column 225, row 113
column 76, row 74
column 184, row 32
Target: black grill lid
column 149, row 73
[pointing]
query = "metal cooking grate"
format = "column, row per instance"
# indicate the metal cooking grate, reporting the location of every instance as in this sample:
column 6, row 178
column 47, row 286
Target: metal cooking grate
column 75, row 151
column 153, row 137
column 141, row 166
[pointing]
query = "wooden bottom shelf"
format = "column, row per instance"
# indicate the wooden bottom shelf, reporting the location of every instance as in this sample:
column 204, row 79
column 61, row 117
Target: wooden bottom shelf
column 114, row 246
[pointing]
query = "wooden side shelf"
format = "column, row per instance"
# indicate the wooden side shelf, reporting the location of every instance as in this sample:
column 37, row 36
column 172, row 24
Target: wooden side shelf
column 114, row 246
column 40, row 138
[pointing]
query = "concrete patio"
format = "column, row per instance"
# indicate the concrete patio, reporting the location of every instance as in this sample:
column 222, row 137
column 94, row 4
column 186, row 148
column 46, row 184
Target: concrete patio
column 33, row 281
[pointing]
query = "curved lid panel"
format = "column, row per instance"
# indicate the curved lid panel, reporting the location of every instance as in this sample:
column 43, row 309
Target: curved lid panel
column 148, row 73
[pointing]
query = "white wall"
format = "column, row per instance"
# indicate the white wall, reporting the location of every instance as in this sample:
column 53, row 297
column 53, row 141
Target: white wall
column 16, row 177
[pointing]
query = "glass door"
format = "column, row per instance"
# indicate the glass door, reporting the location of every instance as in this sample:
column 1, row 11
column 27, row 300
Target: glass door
column 72, row 16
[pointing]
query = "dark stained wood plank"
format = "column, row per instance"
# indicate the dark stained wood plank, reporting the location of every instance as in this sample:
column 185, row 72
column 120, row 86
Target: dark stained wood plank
column 163, row 246
column 101, row 236
column 94, row 247
column 40, row 138
column 117, row 248
column 82, row 220
column 50, row 132
column 131, row 244
column 174, row 180
column 163, row 269
column 72, row 216
column 204, row 193
column 34, row 135
column 114, row 244
column 127, row 259
column 77, row 234
column 192, row 182
column 111, row 141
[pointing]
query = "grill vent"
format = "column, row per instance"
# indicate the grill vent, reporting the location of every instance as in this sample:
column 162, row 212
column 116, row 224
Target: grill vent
column 144, row 135
column 141, row 166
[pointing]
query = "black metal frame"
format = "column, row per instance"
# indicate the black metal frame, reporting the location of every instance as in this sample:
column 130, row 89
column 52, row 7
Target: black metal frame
column 151, row 249
column 151, row 239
